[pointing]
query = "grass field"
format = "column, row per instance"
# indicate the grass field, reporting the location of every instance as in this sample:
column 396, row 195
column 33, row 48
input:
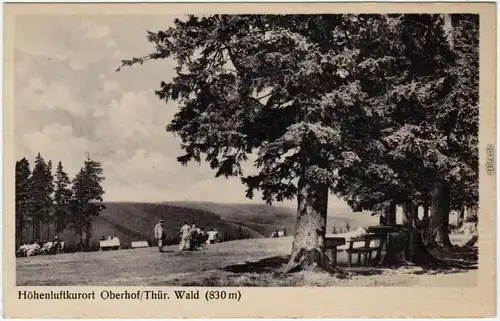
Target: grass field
column 256, row 262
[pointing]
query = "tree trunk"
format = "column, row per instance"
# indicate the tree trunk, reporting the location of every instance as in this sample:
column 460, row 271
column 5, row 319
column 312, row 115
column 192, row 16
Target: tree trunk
column 20, row 231
column 20, row 236
column 410, row 211
column 408, row 246
column 33, row 228
column 81, row 230
column 439, row 223
column 308, row 249
column 39, row 230
column 426, row 210
column 406, row 214
column 460, row 217
column 88, row 235
column 390, row 214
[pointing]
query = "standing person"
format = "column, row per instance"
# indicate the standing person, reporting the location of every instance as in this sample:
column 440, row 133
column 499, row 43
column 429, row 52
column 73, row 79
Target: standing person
column 160, row 234
column 56, row 245
column 185, row 237
column 211, row 236
column 193, row 237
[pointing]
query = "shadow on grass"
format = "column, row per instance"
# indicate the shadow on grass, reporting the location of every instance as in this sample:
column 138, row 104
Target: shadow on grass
column 454, row 260
column 363, row 270
column 273, row 264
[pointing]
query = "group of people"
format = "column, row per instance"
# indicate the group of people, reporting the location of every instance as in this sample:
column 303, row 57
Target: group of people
column 36, row 248
column 191, row 237
column 277, row 233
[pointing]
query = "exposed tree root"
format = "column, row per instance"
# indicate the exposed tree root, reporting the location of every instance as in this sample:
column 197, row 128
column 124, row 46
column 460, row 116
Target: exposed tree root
column 397, row 252
column 312, row 260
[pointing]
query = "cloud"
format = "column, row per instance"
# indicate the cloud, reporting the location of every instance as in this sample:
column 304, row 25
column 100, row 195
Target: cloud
column 45, row 96
column 71, row 152
column 111, row 85
column 63, row 38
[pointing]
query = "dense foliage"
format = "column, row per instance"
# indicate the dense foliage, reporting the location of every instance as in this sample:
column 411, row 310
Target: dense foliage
column 41, row 202
column 378, row 109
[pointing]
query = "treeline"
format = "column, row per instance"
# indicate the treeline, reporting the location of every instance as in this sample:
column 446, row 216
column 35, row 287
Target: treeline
column 47, row 203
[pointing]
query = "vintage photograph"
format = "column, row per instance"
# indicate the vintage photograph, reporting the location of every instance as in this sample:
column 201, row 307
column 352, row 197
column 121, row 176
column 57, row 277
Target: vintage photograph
column 223, row 160
column 247, row 150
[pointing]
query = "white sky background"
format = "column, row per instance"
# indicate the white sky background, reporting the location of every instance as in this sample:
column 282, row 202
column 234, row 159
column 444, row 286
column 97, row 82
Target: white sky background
column 69, row 100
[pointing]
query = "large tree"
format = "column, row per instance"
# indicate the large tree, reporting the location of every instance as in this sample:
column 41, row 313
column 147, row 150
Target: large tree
column 23, row 173
column 62, row 198
column 41, row 189
column 364, row 106
column 49, row 215
column 87, row 201
column 457, row 126
column 423, row 150
column 285, row 87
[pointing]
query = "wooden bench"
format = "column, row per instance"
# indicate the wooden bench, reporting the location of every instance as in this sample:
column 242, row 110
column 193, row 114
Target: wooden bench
column 109, row 244
column 385, row 232
column 331, row 244
column 139, row 244
column 376, row 234
column 365, row 251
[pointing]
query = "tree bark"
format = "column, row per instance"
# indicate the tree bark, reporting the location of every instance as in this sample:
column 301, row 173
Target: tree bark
column 426, row 210
column 36, row 230
column 88, row 235
column 20, row 235
column 39, row 229
column 390, row 214
column 308, row 249
column 460, row 217
column 406, row 213
column 410, row 214
column 439, row 223
column 33, row 229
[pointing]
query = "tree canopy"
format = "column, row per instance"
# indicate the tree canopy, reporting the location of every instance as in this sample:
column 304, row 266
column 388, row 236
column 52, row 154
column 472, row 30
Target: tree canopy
column 374, row 108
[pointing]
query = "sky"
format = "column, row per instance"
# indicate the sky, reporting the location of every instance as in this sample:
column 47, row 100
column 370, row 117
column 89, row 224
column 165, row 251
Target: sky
column 69, row 101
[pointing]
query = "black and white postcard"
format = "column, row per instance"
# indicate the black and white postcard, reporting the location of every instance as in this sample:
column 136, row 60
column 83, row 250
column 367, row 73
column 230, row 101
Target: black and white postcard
column 249, row 160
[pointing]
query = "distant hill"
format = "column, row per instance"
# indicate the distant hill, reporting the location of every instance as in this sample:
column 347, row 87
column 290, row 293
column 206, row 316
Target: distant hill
column 266, row 218
column 135, row 221
column 261, row 218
